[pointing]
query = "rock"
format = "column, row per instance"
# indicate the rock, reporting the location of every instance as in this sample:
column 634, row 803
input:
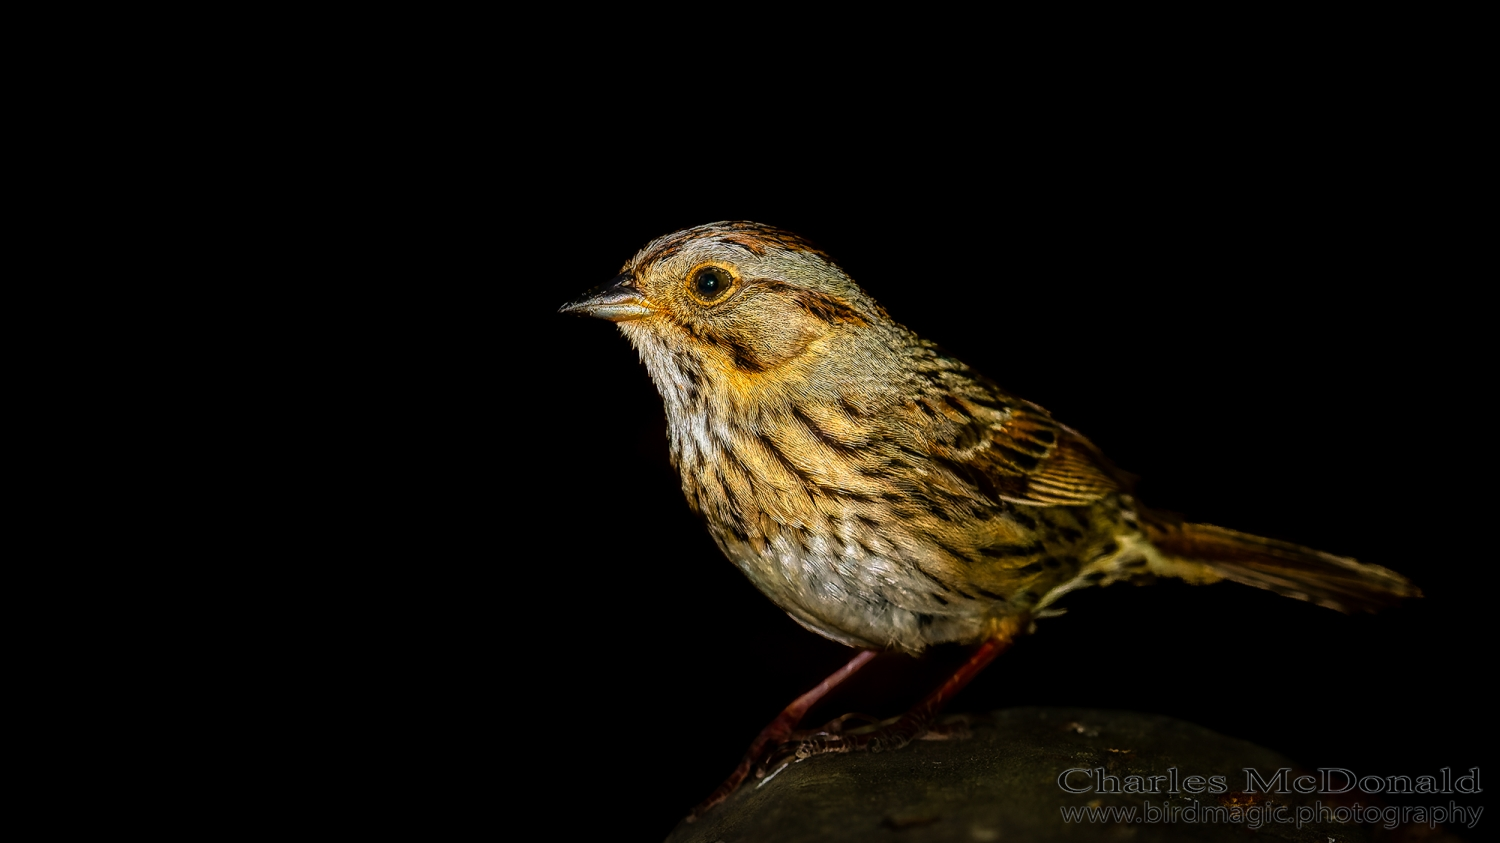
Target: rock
column 1001, row 783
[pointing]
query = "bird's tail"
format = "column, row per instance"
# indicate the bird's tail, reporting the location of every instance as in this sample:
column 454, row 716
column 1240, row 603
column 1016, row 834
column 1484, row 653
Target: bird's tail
column 1285, row 568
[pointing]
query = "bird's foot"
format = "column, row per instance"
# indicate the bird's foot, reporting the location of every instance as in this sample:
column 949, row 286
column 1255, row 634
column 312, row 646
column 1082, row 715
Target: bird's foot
column 873, row 736
column 778, row 732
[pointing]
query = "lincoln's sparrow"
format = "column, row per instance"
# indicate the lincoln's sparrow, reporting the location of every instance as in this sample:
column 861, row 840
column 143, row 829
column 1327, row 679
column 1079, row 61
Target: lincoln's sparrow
column 883, row 493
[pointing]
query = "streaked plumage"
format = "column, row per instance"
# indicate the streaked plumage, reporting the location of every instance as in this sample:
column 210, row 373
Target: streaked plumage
column 881, row 492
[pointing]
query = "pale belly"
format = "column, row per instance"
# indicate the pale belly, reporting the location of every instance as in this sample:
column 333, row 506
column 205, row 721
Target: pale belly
column 858, row 599
column 853, row 593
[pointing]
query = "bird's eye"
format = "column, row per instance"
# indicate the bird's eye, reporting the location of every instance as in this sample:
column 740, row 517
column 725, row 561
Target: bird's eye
column 709, row 284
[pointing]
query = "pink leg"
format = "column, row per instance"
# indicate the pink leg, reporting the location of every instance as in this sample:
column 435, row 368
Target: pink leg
column 913, row 723
column 779, row 729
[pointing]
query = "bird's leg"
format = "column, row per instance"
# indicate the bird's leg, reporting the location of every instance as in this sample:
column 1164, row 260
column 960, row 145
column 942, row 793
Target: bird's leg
column 780, row 729
column 902, row 730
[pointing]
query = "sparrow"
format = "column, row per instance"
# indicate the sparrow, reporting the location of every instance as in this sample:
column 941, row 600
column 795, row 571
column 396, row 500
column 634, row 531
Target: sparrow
column 883, row 493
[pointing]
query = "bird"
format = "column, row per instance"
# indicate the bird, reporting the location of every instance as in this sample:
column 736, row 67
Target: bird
column 883, row 493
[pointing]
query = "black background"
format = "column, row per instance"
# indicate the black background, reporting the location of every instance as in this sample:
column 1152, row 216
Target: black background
column 1275, row 335
column 1272, row 321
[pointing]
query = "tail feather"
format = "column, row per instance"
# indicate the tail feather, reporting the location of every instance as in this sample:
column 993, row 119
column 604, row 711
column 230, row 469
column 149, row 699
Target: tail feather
column 1285, row 568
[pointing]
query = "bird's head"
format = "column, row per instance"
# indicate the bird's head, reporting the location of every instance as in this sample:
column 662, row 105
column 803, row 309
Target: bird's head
column 743, row 299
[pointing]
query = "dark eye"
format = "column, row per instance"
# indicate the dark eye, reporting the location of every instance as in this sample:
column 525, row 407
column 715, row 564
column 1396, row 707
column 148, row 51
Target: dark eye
column 710, row 283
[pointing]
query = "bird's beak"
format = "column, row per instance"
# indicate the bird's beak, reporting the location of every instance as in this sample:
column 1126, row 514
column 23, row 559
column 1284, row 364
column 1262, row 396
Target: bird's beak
column 618, row 301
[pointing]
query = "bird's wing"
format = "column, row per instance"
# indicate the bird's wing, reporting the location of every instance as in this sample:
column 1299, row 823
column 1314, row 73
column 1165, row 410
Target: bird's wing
column 1022, row 455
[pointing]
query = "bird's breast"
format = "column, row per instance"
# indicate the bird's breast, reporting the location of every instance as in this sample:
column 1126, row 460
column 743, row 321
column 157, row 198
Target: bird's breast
column 860, row 540
column 814, row 535
column 857, row 591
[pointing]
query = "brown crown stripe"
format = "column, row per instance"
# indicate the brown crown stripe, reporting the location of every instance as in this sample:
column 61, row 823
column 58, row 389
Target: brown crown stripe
column 753, row 237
